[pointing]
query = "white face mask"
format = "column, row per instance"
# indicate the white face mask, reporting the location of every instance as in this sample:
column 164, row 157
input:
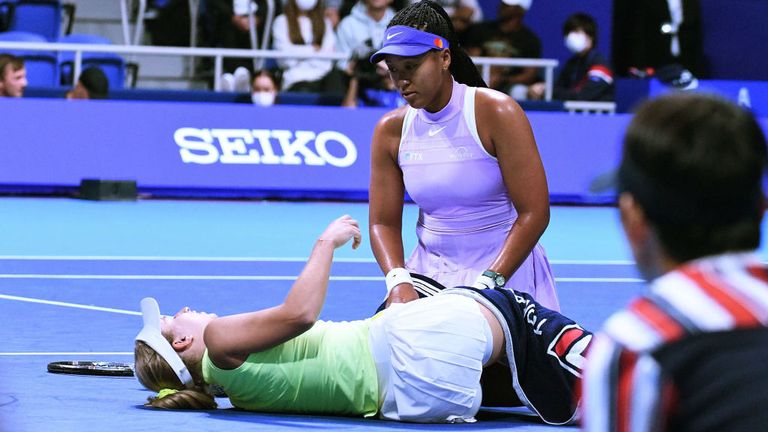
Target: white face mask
column 263, row 98
column 577, row 42
column 306, row 5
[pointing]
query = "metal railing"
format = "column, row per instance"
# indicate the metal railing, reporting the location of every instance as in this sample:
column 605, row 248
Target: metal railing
column 218, row 54
column 127, row 6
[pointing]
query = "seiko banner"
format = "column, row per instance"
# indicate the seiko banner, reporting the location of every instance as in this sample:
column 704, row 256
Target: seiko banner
column 283, row 151
column 192, row 146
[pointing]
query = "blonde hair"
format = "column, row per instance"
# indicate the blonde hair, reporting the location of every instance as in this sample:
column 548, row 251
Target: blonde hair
column 156, row 374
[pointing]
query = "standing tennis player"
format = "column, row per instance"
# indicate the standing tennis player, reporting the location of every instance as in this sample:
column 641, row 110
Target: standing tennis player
column 467, row 156
column 690, row 354
column 420, row 362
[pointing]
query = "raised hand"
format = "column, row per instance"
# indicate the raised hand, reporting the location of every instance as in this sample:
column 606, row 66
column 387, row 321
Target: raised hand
column 341, row 231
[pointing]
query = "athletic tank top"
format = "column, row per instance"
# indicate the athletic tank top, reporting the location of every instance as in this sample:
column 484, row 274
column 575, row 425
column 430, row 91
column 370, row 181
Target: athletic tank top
column 447, row 172
column 328, row 369
column 465, row 212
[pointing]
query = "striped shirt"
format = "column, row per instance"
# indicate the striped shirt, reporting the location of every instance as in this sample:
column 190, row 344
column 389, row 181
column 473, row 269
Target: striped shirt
column 689, row 355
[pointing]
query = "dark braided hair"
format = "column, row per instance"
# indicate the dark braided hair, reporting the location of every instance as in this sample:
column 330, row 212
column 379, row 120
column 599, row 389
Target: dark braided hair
column 428, row 16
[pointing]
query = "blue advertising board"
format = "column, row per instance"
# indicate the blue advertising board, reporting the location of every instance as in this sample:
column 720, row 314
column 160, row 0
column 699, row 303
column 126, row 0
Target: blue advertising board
column 185, row 145
column 749, row 94
column 177, row 148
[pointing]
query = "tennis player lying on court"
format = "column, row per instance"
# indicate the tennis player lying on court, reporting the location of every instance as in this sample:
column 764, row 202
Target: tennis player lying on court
column 419, row 361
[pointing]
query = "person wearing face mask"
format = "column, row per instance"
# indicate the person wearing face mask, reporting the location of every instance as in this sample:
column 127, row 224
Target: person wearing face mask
column 586, row 75
column 264, row 88
column 226, row 24
column 303, row 29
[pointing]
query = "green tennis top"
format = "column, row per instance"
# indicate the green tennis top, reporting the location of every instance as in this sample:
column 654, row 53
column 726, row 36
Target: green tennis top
column 327, row 369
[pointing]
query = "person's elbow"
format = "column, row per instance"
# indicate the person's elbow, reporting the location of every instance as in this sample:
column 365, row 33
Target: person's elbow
column 536, row 216
column 299, row 318
column 541, row 212
column 544, row 217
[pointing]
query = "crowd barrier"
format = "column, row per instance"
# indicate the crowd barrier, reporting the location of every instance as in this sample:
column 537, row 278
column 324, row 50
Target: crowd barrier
column 239, row 150
column 484, row 64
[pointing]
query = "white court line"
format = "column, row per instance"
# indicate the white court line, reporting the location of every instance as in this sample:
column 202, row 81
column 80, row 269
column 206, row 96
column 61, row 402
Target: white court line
column 66, row 304
column 593, row 262
column 599, row 279
column 256, row 278
column 179, row 277
column 168, row 258
column 106, row 353
column 248, row 259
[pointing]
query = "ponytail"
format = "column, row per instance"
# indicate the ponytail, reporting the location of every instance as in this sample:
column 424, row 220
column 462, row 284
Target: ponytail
column 463, row 68
column 154, row 373
column 190, row 399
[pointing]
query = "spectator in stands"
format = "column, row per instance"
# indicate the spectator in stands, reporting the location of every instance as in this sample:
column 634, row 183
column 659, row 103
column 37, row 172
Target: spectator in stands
column 359, row 35
column 239, row 81
column 227, row 25
column 372, row 87
column 586, row 75
column 168, row 23
column 13, row 76
column 303, row 29
column 92, row 84
column 347, row 5
column 690, row 354
column 362, row 30
column 333, row 11
column 463, row 13
column 507, row 37
column 651, row 34
column 264, row 88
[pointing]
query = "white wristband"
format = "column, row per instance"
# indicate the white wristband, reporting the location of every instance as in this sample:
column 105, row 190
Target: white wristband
column 483, row 282
column 396, row 276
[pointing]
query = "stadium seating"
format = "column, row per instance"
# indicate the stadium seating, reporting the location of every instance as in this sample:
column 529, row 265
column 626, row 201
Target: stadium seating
column 113, row 65
column 42, row 66
column 42, row 17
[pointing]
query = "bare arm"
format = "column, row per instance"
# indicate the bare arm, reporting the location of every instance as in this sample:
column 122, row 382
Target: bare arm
column 232, row 338
column 505, row 132
column 386, row 196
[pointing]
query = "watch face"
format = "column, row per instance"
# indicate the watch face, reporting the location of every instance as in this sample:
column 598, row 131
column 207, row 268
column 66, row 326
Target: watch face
column 500, row 280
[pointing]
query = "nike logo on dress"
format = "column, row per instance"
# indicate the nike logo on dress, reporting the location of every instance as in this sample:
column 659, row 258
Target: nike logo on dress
column 390, row 36
column 433, row 132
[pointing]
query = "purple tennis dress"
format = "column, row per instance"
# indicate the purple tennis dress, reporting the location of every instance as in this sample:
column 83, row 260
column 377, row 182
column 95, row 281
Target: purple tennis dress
column 465, row 212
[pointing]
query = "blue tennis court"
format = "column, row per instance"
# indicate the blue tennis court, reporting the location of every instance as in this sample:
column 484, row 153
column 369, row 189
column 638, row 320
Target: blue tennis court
column 72, row 274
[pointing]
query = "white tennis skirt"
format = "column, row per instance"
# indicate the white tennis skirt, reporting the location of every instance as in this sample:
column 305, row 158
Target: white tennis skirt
column 429, row 356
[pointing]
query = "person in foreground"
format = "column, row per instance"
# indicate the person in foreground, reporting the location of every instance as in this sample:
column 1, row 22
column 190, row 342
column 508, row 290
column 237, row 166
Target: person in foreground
column 688, row 355
column 419, row 361
column 467, row 157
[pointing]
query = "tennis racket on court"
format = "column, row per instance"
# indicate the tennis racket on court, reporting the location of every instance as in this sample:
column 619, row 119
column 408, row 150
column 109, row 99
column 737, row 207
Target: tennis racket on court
column 102, row 368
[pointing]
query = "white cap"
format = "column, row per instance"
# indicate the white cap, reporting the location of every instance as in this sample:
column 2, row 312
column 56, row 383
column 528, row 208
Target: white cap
column 525, row 4
column 151, row 335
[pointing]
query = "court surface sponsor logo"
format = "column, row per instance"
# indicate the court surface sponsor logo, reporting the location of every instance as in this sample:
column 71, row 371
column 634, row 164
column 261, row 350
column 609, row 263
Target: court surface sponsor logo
column 265, row 146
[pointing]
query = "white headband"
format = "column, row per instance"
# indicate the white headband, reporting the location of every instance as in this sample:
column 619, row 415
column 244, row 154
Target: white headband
column 152, row 336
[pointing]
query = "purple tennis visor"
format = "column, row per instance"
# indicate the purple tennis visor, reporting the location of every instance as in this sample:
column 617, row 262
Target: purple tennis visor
column 408, row 42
